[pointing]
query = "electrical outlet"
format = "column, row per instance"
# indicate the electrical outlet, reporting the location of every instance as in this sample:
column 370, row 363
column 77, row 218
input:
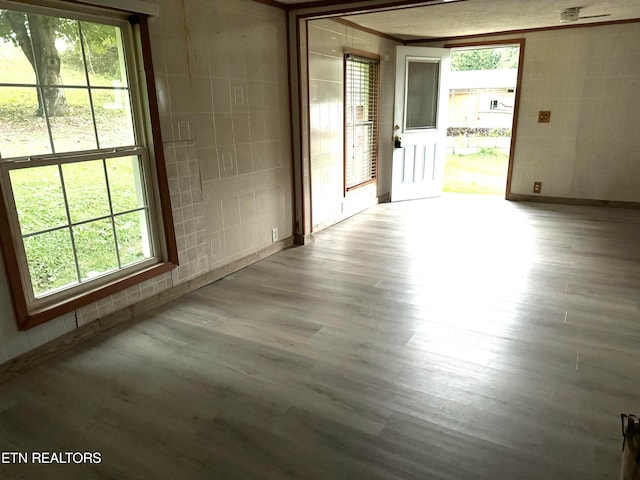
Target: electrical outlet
column 544, row 116
column 274, row 234
column 537, row 187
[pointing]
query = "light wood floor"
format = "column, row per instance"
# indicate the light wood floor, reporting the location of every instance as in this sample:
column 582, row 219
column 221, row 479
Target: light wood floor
column 455, row 338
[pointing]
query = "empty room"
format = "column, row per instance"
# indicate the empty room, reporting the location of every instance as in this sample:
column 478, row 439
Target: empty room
column 227, row 251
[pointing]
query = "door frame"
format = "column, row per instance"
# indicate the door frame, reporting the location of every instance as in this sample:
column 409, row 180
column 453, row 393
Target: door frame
column 297, row 32
column 516, row 106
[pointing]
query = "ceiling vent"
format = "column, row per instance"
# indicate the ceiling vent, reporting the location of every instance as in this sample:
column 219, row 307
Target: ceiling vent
column 572, row 14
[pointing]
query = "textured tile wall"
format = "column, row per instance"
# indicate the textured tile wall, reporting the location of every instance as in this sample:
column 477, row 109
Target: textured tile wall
column 221, row 75
column 327, row 42
column 589, row 78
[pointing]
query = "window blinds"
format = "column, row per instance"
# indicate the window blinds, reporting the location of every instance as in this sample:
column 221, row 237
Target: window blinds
column 361, row 120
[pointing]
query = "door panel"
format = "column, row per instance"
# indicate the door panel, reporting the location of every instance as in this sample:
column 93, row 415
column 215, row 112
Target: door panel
column 420, row 119
column 408, row 164
column 416, row 169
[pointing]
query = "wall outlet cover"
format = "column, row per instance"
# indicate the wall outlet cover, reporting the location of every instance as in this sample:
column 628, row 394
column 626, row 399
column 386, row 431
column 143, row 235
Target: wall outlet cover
column 537, row 187
column 544, row 116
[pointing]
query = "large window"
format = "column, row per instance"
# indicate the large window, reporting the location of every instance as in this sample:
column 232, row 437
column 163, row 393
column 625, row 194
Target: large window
column 76, row 173
column 361, row 120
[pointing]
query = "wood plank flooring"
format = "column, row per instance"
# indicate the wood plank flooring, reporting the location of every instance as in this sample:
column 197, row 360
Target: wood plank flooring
column 455, row 338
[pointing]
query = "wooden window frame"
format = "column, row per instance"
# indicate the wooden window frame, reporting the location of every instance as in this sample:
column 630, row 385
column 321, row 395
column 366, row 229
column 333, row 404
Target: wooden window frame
column 374, row 60
column 28, row 316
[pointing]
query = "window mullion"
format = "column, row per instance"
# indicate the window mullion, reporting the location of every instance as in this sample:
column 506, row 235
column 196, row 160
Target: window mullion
column 45, row 114
column 71, row 233
column 84, row 222
column 40, row 92
column 86, row 74
column 73, row 157
column 113, row 223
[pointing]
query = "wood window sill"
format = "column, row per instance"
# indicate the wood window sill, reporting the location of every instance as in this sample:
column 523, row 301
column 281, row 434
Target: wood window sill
column 41, row 315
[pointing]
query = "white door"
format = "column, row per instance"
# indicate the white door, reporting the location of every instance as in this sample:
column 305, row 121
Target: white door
column 420, row 120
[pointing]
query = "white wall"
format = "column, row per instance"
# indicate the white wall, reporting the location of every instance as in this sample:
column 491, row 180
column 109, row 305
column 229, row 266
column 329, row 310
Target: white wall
column 327, row 42
column 589, row 78
column 222, row 78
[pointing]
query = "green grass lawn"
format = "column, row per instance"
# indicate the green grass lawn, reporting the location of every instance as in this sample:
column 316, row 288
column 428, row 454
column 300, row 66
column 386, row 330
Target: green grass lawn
column 484, row 172
column 40, row 206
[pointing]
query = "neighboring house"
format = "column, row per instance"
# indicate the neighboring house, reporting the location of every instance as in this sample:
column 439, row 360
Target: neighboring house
column 482, row 98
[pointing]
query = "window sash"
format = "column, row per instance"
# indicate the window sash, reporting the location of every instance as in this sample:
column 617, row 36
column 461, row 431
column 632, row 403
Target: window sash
column 132, row 88
column 361, row 104
column 83, row 284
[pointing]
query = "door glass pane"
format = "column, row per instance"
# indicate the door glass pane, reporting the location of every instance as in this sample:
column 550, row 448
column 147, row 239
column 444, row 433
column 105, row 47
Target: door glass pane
column 421, row 102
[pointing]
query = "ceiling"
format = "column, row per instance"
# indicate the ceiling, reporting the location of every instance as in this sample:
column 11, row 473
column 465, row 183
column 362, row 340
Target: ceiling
column 474, row 17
